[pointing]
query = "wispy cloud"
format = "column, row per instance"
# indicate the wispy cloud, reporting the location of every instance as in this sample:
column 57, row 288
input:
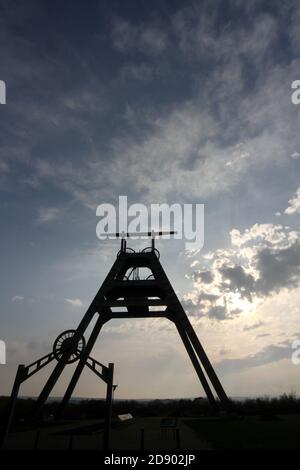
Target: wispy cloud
column 148, row 39
column 203, row 138
column 253, row 326
column 17, row 298
column 268, row 355
column 74, row 302
column 295, row 155
column 49, row 214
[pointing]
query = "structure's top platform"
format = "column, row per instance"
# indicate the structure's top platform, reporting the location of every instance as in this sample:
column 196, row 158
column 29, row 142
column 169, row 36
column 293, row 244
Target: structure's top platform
column 136, row 235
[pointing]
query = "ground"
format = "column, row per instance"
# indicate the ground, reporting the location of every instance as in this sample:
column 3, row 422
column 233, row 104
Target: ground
column 281, row 432
column 252, row 432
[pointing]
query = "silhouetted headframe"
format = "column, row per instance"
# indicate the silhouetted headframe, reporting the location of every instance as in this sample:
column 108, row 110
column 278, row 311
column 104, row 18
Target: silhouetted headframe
column 124, row 294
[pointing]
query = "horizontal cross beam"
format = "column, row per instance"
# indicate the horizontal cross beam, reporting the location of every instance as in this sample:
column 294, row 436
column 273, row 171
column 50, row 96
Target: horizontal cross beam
column 149, row 314
column 152, row 234
column 135, row 303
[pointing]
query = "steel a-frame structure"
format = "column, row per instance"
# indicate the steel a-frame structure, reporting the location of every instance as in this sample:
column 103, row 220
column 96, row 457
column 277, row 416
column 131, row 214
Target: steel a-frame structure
column 142, row 298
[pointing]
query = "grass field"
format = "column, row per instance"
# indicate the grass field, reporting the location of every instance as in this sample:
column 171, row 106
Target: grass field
column 282, row 432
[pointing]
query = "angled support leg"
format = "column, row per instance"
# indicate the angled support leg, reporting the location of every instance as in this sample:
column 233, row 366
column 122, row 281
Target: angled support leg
column 82, row 362
column 206, row 364
column 60, row 367
column 197, row 366
column 93, row 308
column 175, row 306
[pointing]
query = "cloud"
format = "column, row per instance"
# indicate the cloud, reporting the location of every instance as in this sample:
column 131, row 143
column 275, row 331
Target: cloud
column 25, row 350
column 269, row 233
column 261, row 261
column 295, row 156
column 294, row 204
column 269, row 354
column 195, row 28
column 17, row 298
column 236, row 279
column 194, row 109
column 74, row 302
column 148, row 39
column 253, row 326
column 4, row 167
column 217, row 312
column 176, row 148
column 225, row 127
column 278, row 268
column 202, row 276
column 48, row 214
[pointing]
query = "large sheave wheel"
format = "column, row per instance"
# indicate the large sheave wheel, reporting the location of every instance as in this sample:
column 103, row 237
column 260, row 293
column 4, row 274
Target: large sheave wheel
column 65, row 343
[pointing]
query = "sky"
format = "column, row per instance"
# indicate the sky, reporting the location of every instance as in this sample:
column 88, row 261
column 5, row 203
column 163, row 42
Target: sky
column 164, row 102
